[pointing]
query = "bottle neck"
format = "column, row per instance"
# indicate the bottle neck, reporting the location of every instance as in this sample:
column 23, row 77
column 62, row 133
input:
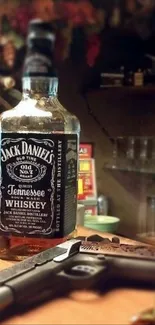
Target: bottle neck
column 39, row 73
column 37, row 87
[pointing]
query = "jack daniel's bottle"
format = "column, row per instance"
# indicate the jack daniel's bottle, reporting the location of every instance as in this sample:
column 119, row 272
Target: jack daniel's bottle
column 39, row 153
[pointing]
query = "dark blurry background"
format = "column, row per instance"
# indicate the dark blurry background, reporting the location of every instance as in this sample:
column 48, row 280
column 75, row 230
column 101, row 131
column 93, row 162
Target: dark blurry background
column 102, row 35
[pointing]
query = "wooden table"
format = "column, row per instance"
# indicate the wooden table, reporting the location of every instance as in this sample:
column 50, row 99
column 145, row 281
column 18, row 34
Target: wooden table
column 115, row 307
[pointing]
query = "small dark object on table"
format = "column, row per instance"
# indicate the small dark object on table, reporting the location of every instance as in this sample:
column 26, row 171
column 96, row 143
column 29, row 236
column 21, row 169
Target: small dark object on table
column 115, row 240
column 97, row 238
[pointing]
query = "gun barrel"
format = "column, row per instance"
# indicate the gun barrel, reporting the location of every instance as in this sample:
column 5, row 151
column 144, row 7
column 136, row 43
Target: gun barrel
column 133, row 270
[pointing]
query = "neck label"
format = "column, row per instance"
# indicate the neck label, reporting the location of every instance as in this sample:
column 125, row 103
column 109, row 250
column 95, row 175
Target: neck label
column 37, row 64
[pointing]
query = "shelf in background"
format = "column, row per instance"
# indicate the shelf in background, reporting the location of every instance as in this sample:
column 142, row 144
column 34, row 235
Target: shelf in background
column 130, row 170
column 124, row 90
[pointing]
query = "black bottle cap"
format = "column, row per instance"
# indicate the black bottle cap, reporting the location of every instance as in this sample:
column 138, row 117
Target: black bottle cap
column 40, row 49
column 36, row 25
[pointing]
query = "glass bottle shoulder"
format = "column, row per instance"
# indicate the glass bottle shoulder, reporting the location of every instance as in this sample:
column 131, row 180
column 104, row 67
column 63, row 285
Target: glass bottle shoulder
column 39, row 115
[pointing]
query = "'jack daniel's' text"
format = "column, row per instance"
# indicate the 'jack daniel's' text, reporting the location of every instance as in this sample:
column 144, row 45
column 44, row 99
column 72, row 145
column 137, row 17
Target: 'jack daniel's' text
column 27, row 149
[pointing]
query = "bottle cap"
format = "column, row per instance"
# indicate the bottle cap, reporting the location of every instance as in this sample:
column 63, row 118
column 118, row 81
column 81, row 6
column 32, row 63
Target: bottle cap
column 36, row 25
column 40, row 44
column 39, row 28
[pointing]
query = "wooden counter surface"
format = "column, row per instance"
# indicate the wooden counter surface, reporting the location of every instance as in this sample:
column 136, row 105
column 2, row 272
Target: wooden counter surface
column 115, row 307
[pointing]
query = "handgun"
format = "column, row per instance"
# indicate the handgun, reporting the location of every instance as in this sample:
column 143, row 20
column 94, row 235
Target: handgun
column 74, row 265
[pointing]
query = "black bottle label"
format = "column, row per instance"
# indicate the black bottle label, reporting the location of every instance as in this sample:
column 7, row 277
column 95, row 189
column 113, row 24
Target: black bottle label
column 38, row 184
column 39, row 58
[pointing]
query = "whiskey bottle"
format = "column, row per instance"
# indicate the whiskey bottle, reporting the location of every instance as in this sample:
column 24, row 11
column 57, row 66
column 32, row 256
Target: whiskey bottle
column 39, row 155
